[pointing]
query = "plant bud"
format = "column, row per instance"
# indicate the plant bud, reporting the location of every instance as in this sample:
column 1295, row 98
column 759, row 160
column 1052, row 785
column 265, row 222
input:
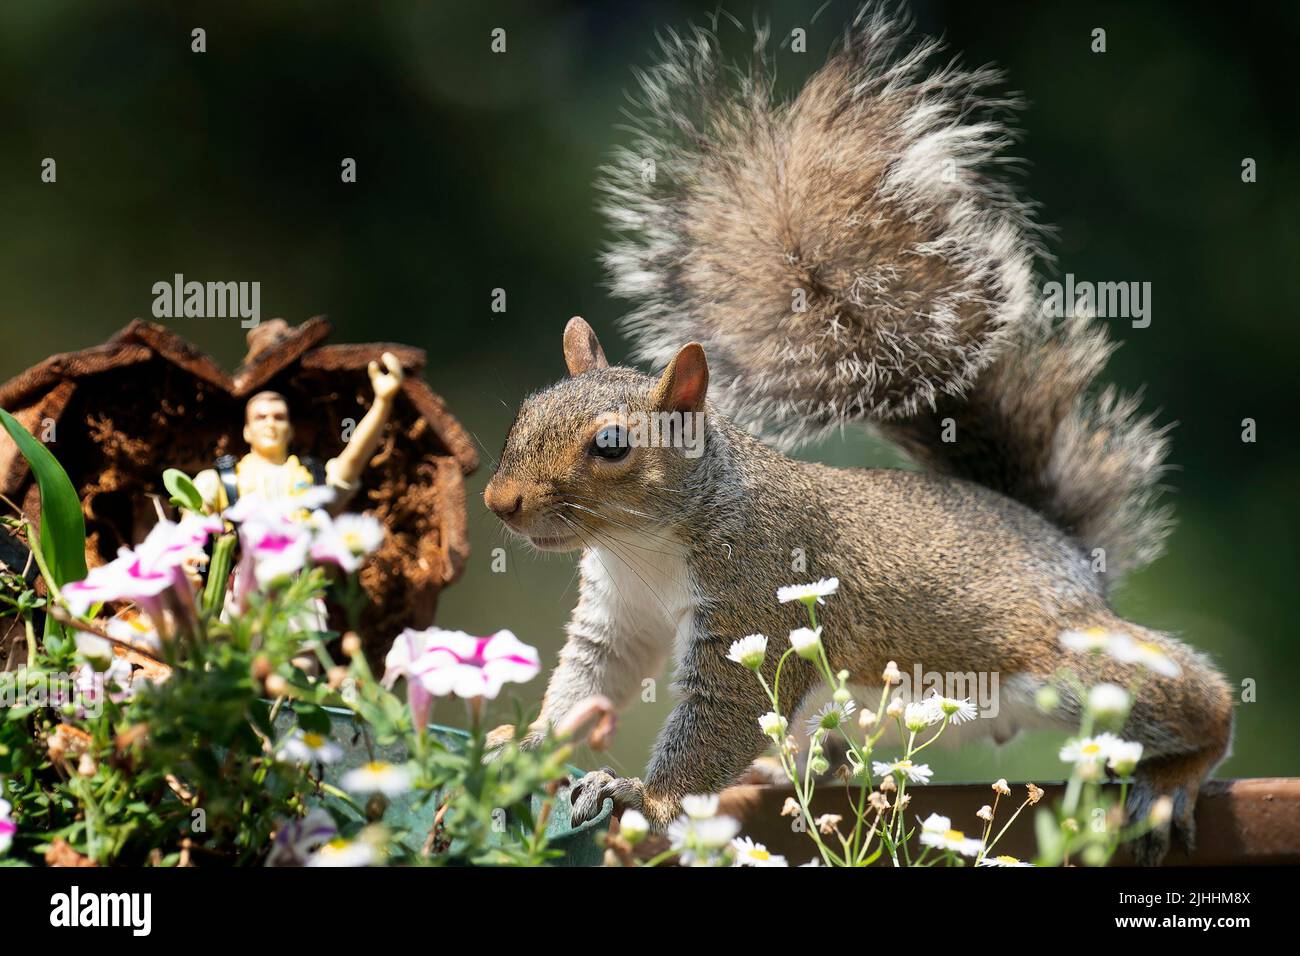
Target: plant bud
column 276, row 686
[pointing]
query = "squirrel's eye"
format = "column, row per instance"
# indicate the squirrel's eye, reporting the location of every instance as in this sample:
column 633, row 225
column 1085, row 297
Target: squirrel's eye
column 610, row 444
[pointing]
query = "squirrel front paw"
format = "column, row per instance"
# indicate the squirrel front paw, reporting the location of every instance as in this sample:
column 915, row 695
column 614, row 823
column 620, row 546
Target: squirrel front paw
column 588, row 795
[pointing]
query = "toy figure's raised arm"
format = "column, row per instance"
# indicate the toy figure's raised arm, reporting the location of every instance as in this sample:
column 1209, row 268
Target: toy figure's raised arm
column 344, row 471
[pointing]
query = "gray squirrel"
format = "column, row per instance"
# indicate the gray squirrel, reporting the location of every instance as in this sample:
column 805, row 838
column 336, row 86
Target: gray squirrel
column 848, row 256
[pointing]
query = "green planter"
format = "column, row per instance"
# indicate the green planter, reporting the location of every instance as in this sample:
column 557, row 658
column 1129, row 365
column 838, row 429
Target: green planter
column 578, row 844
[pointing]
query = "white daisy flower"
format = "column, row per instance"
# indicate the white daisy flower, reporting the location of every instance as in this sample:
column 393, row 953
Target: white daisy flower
column 1151, row 656
column 633, row 826
column 1124, row 756
column 1092, row 640
column 379, row 777
column 937, row 831
column 831, row 715
column 749, row 853
column 700, row 806
column 716, row 833
column 699, row 842
column 1123, row 647
column 1108, row 701
column 957, row 711
column 304, row 748
column 341, row 852
column 915, row 772
column 1089, row 752
column 773, row 724
column 919, row 715
column 808, row 592
column 806, row 642
column 749, row 651
column 1003, row 860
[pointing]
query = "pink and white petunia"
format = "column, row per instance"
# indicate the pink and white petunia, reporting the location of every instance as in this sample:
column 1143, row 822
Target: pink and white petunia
column 92, row 687
column 453, row 662
column 345, row 540
column 272, row 548
column 7, row 826
column 297, row 840
column 142, row 573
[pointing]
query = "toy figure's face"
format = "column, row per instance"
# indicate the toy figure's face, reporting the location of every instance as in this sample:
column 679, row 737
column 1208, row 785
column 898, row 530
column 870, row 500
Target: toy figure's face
column 266, row 426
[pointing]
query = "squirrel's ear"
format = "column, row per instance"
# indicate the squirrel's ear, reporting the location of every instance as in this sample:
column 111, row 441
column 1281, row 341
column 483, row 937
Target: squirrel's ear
column 685, row 381
column 582, row 351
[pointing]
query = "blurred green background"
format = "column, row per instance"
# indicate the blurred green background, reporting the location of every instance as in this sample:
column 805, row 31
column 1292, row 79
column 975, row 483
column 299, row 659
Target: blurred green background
column 474, row 173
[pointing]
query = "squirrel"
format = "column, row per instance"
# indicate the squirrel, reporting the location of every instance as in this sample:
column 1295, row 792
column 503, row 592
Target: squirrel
column 847, row 256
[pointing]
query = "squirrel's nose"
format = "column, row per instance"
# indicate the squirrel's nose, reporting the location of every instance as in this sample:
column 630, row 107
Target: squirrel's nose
column 504, row 499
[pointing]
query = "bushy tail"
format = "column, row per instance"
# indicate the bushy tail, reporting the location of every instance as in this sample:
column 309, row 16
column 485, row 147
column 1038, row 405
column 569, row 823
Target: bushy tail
column 853, row 255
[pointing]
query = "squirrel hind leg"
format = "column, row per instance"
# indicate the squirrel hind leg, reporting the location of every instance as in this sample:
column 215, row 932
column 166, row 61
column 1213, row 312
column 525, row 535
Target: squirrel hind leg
column 1183, row 720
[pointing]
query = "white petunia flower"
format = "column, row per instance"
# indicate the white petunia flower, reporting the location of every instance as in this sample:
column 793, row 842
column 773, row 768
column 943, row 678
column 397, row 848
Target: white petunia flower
column 915, row 772
column 831, row 715
column 806, row 642
column 379, row 777
column 749, row 853
column 773, row 724
column 1108, row 701
column 749, row 651
column 808, row 593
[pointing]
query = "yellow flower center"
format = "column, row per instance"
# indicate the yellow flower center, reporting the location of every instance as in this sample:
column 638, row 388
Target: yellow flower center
column 1007, row 859
column 1091, row 750
column 376, row 766
column 314, row 741
column 954, row 835
column 760, row 854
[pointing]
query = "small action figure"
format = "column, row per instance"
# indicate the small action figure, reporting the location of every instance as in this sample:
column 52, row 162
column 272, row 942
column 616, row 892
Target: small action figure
column 269, row 472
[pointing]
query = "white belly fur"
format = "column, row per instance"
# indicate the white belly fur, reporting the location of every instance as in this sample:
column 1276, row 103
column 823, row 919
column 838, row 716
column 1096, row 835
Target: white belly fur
column 642, row 588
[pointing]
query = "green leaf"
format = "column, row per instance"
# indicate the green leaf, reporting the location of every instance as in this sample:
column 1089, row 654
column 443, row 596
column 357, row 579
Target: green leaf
column 312, row 719
column 184, row 494
column 63, row 530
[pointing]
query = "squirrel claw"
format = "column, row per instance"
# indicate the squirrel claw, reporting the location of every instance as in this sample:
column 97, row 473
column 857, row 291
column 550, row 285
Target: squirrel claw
column 588, row 795
column 1150, row 848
